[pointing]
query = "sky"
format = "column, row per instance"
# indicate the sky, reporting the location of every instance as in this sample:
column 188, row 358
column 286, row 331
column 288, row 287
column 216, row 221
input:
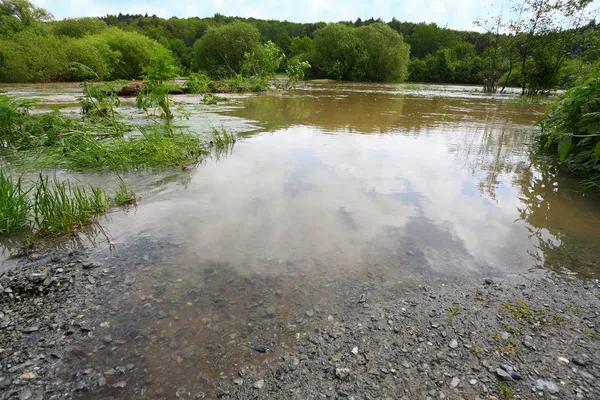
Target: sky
column 455, row 14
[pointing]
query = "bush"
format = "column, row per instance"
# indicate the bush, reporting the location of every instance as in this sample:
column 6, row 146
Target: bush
column 571, row 128
column 221, row 51
column 135, row 52
column 374, row 53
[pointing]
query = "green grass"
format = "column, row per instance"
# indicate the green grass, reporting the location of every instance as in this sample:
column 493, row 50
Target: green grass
column 14, row 205
column 64, row 207
column 155, row 147
column 123, row 196
column 53, row 208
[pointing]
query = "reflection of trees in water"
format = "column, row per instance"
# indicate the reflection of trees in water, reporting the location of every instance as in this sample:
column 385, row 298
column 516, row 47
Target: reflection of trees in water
column 493, row 148
column 562, row 222
column 365, row 112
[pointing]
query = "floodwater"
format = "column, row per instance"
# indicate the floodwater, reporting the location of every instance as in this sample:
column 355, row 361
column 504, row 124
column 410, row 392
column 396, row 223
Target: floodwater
column 332, row 190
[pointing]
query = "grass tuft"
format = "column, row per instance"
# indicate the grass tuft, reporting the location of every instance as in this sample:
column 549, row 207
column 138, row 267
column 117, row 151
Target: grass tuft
column 14, row 205
column 63, row 207
column 123, row 196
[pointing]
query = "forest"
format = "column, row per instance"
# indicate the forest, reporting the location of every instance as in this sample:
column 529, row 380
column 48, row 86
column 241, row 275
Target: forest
column 542, row 49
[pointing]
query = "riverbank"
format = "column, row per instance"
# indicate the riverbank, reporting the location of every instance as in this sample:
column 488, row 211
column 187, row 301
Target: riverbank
column 519, row 338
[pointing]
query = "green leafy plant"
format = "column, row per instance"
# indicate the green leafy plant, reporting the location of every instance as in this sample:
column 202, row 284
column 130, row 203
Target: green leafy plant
column 295, row 71
column 505, row 391
column 157, row 88
column 101, row 100
column 571, row 129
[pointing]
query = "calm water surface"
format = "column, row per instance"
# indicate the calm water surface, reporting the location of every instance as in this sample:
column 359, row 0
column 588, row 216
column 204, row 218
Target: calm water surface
column 333, row 190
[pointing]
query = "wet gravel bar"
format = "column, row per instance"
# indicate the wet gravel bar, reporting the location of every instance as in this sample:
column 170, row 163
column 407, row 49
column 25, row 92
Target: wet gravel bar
column 521, row 337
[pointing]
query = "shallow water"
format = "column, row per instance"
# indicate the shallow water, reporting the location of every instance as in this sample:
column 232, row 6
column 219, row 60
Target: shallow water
column 333, row 190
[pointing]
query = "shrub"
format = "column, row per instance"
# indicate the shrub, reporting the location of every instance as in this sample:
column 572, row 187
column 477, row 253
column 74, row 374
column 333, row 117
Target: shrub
column 571, row 128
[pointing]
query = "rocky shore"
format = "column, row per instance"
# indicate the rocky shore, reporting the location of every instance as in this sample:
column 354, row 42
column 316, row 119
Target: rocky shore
column 517, row 338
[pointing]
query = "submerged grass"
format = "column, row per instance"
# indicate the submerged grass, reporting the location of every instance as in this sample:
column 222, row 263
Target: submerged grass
column 14, row 205
column 155, row 147
column 123, row 196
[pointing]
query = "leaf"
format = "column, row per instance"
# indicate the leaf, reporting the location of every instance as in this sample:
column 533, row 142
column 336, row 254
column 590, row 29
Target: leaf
column 597, row 152
column 564, row 146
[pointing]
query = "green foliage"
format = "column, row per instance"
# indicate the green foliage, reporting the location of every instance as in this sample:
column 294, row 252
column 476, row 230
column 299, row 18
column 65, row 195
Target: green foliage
column 221, row 51
column 135, row 51
column 571, row 128
column 78, row 27
column 157, row 74
column 16, row 15
column 14, row 205
column 154, row 147
column 99, row 103
column 374, row 52
column 19, row 129
column 30, row 57
column 240, row 84
column 295, row 71
column 427, row 39
column 263, row 61
column 199, row 83
column 388, row 55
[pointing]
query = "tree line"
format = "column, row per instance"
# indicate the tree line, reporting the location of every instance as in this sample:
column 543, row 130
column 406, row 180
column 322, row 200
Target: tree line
column 548, row 45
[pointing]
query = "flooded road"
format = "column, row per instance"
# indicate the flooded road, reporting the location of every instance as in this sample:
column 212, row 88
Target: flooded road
column 332, row 191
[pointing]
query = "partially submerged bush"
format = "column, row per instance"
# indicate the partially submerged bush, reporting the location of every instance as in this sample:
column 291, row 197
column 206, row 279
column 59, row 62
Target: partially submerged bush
column 571, row 129
column 20, row 130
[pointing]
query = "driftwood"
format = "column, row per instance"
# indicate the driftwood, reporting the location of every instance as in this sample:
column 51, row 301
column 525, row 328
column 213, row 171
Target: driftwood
column 135, row 89
column 130, row 90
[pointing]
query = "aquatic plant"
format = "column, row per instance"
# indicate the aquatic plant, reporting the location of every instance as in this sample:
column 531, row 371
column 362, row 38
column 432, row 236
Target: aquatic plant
column 199, row 83
column 14, row 205
column 155, row 146
column 157, row 88
column 571, row 130
column 100, row 100
column 123, row 196
column 19, row 129
column 64, row 207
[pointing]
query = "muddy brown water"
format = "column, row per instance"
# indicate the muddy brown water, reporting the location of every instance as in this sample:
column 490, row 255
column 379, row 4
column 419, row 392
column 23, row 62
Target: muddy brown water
column 332, row 190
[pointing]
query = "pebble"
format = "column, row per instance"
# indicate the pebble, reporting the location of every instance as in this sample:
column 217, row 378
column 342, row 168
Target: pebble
column 503, row 374
column 473, row 381
column 550, row 386
column 581, row 361
column 342, row 373
column 258, row 384
column 355, row 350
column 453, row 344
column 455, row 382
column 238, row 381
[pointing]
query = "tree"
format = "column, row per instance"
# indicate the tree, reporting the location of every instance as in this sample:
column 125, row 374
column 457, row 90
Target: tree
column 536, row 27
column 22, row 13
column 429, row 38
column 339, row 53
column 222, row 49
column 79, row 27
column 388, row 54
